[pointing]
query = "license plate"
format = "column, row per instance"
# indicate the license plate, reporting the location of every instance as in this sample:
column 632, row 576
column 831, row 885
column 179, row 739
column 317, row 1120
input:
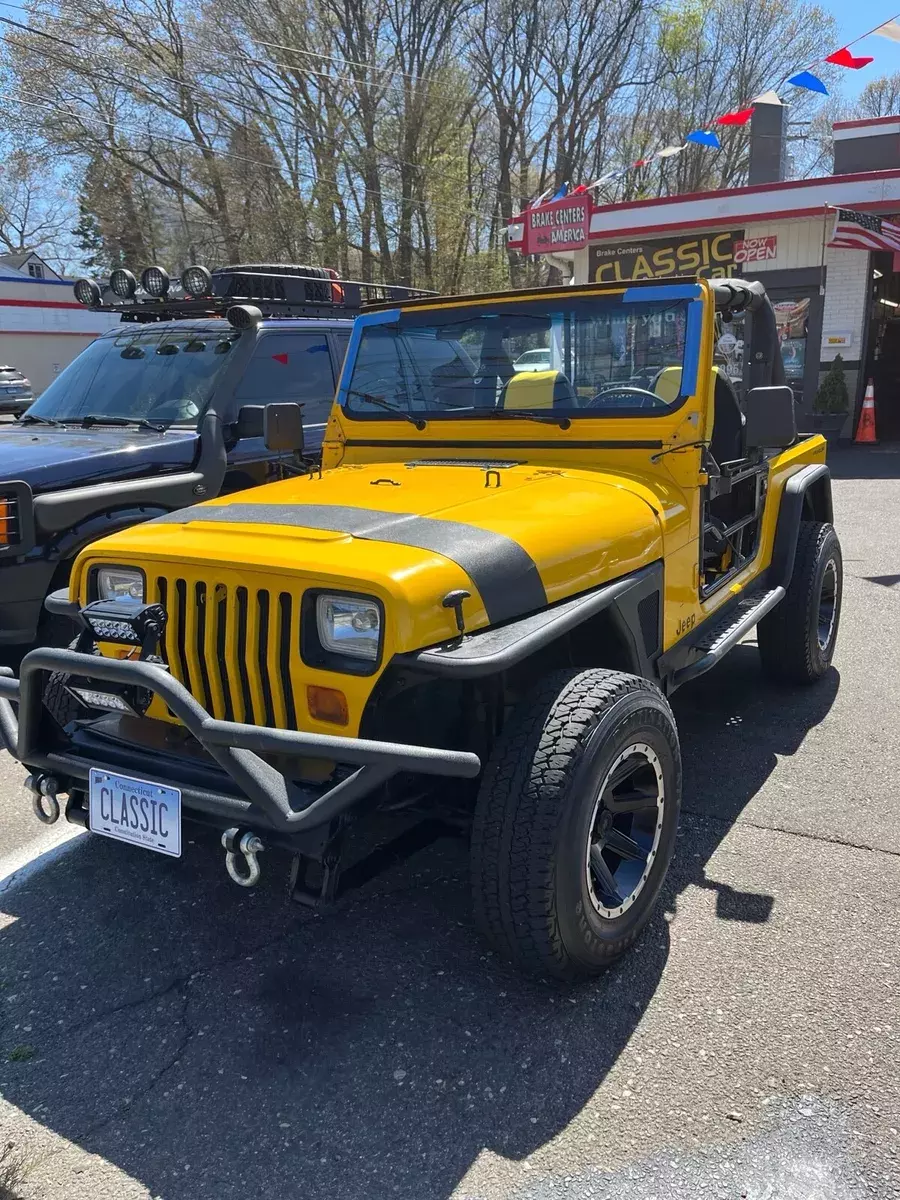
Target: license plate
column 136, row 811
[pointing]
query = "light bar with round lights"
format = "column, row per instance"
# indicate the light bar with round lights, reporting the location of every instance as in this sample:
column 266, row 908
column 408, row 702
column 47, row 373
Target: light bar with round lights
column 87, row 292
column 196, row 281
column 123, row 283
column 155, row 282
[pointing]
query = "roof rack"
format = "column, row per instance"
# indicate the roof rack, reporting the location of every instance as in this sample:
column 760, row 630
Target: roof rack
column 279, row 290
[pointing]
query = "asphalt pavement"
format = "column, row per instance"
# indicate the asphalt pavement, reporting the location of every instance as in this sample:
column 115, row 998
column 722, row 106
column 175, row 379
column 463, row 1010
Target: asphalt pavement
column 165, row 1034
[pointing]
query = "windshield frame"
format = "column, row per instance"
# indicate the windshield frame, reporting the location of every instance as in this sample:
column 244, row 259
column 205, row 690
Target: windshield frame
column 420, row 312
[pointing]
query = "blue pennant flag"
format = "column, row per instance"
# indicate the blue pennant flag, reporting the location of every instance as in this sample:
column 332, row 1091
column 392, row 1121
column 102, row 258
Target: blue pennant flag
column 704, row 137
column 812, row 83
column 559, row 193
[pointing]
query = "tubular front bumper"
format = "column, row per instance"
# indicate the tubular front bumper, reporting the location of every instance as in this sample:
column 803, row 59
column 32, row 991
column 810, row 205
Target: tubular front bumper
column 261, row 795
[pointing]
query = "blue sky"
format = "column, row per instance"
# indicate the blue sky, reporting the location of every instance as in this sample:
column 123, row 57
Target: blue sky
column 854, row 19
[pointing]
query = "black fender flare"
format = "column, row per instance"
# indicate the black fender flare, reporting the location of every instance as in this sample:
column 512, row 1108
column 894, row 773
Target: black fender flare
column 490, row 651
column 806, row 493
column 56, row 512
column 70, row 543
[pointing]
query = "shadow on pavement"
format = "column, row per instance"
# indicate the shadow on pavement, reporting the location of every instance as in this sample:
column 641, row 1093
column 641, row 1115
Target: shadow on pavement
column 212, row 1042
column 865, row 462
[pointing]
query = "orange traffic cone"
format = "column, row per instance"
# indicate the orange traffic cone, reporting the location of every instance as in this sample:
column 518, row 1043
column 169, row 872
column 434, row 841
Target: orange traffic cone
column 865, row 430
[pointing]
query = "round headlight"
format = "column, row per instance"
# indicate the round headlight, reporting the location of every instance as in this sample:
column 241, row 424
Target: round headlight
column 120, row 583
column 155, row 281
column 197, row 281
column 87, row 292
column 123, row 283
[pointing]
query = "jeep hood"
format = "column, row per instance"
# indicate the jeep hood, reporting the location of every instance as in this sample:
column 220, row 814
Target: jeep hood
column 48, row 457
column 514, row 536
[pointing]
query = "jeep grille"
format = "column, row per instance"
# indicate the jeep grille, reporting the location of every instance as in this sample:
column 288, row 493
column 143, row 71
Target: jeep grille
column 235, row 648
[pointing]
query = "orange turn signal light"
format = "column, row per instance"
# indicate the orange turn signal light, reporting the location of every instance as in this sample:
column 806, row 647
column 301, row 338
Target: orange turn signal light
column 5, row 523
column 327, row 704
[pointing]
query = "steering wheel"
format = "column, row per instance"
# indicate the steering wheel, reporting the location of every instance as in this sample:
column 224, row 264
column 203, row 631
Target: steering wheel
column 623, row 396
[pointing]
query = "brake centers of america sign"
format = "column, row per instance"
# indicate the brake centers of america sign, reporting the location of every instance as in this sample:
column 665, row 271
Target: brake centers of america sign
column 557, row 227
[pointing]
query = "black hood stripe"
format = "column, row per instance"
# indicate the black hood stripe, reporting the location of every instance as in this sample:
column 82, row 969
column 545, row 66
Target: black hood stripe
column 506, row 576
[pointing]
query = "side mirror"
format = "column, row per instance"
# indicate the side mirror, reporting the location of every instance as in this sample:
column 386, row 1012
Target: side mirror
column 283, row 427
column 771, row 418
column 250, row 421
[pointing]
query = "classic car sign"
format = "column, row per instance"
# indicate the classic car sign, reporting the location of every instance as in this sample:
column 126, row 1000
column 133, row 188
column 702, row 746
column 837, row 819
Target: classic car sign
column 709, row 254
column 560, row 226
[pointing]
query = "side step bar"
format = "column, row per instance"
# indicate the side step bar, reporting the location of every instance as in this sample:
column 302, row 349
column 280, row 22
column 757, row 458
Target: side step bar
column 728, row 632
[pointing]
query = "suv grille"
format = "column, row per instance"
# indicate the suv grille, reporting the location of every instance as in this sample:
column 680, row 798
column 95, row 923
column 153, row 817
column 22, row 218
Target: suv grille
column 10, row 522
column 235, row 648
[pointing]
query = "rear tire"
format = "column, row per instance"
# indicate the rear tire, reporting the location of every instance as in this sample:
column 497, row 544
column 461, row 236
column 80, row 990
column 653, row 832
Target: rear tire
column 797, row 639
column 588, row 765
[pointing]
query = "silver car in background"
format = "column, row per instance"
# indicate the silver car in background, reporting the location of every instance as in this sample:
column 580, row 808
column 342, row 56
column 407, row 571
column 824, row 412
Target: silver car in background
column 15, row 392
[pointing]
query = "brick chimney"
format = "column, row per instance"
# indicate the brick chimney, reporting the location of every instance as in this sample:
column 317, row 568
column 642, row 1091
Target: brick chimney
column 767, row 143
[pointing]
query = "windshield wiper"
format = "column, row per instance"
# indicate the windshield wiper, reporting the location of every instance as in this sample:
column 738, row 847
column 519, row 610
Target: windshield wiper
column 380, row 402
column 34, row 419
column 513, row 413
column 141, row 422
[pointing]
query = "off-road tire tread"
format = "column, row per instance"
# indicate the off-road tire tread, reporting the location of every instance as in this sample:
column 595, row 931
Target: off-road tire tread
column 61, row 704
column 517, row 817
column 784, row 647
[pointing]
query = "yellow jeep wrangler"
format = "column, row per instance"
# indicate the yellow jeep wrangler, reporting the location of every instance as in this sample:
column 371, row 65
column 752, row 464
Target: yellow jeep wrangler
column 470, row 618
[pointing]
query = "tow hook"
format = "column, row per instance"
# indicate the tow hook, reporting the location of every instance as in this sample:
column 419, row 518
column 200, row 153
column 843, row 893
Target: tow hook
column 249, row 845
column 44, row 801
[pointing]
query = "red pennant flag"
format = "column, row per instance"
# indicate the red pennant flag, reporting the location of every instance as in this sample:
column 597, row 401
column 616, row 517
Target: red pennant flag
column 282, row 358
column 740, row 117
column 843, row 58
column 580, row 190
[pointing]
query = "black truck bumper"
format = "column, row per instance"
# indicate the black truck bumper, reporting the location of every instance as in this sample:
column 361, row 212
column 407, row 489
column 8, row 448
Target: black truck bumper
column 237, row 786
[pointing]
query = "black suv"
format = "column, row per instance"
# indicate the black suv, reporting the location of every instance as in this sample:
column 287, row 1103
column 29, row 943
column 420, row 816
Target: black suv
column 167, row 408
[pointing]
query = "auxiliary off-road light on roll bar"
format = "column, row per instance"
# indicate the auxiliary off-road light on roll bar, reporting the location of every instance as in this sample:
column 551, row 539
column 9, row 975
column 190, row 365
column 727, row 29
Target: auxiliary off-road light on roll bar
column 123, row 623
column 123, row 283
column 196, row 281
column 155, row 282
column 87, row 292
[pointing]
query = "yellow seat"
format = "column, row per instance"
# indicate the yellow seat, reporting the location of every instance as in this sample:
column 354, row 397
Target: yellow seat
column 531, row 389
column 668, row 383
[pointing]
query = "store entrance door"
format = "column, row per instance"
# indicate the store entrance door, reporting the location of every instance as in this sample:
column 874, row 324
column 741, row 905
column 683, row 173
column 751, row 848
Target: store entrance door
column 882, row 361
column 886, row 377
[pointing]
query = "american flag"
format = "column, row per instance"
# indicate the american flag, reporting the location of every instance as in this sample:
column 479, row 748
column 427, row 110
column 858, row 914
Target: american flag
column 862, row 231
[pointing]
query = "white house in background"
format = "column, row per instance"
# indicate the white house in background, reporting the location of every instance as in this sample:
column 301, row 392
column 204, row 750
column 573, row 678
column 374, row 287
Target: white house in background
column 42, row 326
column 29, row 264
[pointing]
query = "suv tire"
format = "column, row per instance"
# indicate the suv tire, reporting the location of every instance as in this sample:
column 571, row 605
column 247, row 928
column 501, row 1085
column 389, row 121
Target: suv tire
column 797, row 639
column 550, row 892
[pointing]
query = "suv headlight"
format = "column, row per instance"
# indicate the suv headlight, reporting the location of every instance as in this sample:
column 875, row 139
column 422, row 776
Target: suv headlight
column 119, row 583
column 349, row 625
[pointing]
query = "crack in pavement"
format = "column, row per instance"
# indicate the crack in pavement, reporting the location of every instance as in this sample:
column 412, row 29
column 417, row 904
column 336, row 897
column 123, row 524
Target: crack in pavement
column 828, row 839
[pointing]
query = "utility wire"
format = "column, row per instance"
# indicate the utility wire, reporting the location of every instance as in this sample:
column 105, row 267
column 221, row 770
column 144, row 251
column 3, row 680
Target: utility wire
column 144, row 91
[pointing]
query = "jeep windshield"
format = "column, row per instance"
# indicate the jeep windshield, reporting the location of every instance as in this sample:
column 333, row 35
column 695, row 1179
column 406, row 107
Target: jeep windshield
column 158, row 376
column 584, row 356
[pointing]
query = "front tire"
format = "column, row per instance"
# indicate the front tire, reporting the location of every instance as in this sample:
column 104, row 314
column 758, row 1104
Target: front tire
column 797, row 639
column 575, row 822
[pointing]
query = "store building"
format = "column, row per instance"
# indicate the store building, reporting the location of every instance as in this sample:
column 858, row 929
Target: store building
column 828, row 301
column 42, row 326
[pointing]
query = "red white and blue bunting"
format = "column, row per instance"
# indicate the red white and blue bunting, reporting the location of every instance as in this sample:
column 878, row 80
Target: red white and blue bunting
column 805, row 79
